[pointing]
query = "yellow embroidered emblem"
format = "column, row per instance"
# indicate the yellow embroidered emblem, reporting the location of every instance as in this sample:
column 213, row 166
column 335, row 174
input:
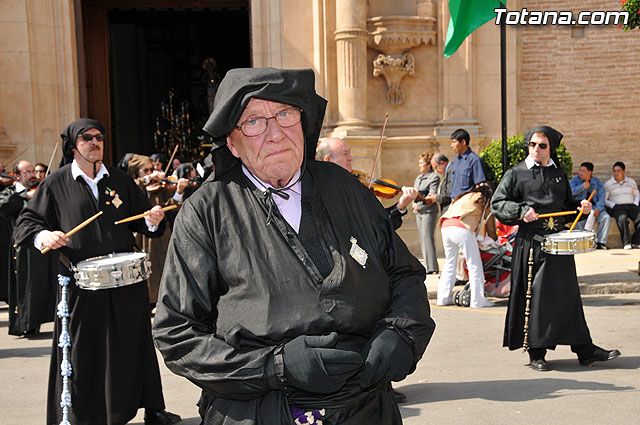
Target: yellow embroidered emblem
column 551, row 224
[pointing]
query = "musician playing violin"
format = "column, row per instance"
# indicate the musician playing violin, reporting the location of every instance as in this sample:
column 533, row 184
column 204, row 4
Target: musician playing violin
column 333, row 149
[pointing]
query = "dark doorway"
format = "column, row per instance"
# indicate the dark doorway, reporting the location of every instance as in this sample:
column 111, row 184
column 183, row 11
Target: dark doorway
column 153, row 52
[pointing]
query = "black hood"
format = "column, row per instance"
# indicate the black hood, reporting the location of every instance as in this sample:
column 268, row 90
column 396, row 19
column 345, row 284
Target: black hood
column 295, row 87
column 71, row 133
column 552, row 134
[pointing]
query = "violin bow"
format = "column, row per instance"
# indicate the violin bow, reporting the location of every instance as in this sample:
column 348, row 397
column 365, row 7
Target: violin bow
column 16, row 157
column 55, row 149
column 375, row 159
column 171, row 159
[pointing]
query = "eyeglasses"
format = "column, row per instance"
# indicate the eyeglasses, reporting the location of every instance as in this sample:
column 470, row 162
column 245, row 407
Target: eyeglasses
column 89, row 137
column 40, row 170
column 543, row 146
column 146, row 170
column 257, row 125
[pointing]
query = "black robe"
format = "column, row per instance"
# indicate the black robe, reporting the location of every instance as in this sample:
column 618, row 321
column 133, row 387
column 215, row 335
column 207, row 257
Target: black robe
column 115, row 370
column 31, row 276
column 556, row 316
column 234, row 288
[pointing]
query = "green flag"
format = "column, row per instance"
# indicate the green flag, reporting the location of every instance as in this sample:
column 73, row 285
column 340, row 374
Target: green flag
column 466, row 17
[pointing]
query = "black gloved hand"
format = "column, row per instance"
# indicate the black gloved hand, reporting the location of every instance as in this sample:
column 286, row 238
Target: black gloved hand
column 312, row 364
column 387, row 358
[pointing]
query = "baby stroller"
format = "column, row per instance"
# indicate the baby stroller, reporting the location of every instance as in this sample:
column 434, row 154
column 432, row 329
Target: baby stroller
column 496, row 265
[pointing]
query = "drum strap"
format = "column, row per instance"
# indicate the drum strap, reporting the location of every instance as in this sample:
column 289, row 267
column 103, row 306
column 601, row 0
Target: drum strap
column 65, row 261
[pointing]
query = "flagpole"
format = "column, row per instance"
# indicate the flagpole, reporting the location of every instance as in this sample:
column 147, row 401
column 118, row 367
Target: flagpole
column 503, row 90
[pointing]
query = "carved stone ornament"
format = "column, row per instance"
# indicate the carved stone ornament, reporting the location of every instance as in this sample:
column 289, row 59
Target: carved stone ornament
column 394, row 68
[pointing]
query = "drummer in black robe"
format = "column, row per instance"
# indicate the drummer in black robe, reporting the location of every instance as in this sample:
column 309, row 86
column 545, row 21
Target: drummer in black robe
column 114, row 366
column 31, row 275
column 287, row 296
column 535, row 186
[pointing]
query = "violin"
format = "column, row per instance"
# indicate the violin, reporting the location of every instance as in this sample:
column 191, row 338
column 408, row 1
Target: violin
column 7, row 178
column 385, row 191
column 384, row 188
column 170, row 183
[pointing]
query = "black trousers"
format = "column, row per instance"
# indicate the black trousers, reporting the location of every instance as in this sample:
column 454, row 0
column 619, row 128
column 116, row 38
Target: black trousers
column 622, row 212
column 581, row 350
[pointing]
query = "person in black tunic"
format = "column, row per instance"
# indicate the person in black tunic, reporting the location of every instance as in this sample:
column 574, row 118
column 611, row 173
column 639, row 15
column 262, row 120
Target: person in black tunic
column 32, row 276
column 535, row 186
column 114, row 365
column 287, row 296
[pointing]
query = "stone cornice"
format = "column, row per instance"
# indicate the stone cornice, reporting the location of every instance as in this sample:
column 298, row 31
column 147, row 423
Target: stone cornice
column 393, row 35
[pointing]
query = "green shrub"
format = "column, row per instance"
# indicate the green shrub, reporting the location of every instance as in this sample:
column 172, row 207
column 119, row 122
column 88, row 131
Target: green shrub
column 492, row 157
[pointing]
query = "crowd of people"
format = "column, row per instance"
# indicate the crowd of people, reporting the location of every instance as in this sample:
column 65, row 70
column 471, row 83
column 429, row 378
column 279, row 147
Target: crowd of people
column 272, row 293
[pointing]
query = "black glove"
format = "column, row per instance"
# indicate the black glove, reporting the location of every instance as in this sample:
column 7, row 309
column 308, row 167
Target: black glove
column 313, row 365
column 387, row 358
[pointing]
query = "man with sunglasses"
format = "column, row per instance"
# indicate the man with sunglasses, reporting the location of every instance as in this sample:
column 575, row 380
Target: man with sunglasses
column 287, row 296
column 535, row 186
column 113, row 361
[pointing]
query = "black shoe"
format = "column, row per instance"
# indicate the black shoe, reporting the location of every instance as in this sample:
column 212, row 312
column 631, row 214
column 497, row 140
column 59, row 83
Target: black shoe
column 400, row 398
column 598, row 355
column 601, row 246
column 160, row 417
column 539, row 364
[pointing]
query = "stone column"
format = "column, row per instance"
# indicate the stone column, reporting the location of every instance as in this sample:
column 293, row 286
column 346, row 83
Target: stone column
column 351, row 42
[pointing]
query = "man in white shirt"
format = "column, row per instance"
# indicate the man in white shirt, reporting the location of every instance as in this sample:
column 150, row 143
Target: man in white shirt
column 621, row 198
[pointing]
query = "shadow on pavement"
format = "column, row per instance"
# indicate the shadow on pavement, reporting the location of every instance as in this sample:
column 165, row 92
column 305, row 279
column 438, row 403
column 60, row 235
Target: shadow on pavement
column 501, row 391
column 25, row 352
column 600, row 300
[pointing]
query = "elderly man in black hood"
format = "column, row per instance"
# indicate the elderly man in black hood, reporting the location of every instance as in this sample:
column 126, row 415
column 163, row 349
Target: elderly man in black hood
column 287, row 296
column 535, row 186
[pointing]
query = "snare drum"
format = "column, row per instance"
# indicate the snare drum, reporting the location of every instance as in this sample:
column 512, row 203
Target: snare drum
column 112, row 271
column 569, row 243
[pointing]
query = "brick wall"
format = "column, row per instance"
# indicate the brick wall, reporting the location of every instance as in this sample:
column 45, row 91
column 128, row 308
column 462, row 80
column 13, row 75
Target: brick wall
column 588, row 88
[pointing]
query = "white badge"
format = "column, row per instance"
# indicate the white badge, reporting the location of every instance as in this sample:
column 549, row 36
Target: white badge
column 358, row 254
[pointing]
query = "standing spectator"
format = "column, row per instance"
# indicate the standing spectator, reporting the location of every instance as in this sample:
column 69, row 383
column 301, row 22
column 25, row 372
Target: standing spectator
column 466, row 168
column 441, row 165
column 622, row 197
column 427, row 213
column 581, row 187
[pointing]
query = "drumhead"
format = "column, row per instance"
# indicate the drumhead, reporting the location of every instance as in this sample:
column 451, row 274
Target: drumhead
column 575, row 234
column 111, row 259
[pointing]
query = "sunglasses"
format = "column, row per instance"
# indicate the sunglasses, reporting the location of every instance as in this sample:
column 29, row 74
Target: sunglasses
column 543, row 146
column 88, row 137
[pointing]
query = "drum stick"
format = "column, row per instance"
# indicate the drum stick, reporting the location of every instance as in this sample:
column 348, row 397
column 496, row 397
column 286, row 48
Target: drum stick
column 580, row 213
column 555, row 214
column 135, row 217
column 77, row 228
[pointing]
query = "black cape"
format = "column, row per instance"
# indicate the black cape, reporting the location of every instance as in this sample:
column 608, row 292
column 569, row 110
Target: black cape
column 115, row 369
column 556, row 316
column 234, row 288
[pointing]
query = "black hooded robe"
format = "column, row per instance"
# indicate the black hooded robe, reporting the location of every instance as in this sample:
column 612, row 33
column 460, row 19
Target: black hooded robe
column 115, row 369
column 557, row 316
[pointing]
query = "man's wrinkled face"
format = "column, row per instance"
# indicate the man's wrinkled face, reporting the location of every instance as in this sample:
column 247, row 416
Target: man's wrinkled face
column 584, row 174
column 275, row 155
column 536, row 151
column 91, row 150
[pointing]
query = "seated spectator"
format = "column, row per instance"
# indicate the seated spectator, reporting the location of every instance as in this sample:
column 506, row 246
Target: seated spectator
column 621, row 198
column 581, row 187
